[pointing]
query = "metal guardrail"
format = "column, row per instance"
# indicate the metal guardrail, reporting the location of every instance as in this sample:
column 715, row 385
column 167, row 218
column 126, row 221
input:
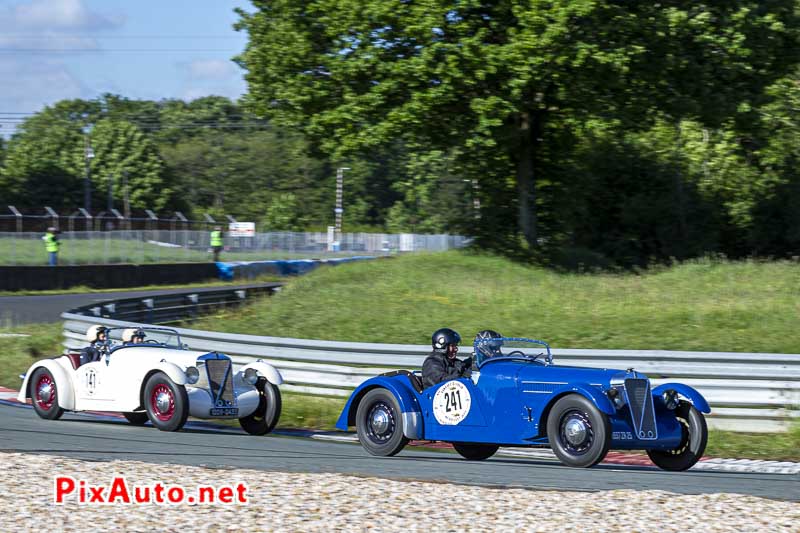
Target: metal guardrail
column 747, row 391
column 171, row 308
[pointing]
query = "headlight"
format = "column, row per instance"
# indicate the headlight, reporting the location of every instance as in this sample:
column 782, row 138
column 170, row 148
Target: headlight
column 251, row 376
column 616, row 397
column 192, row 375
column 670, row 398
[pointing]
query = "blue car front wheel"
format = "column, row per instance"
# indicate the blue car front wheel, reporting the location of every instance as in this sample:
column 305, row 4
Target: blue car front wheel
column 379, row 423
column 578, row 432
column 693, row 442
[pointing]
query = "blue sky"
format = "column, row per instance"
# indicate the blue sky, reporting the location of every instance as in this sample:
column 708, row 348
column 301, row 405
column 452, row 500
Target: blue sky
column 142, row 49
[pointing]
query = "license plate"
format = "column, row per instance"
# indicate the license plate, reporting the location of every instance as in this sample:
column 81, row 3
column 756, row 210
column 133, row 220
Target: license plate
column 224, row 411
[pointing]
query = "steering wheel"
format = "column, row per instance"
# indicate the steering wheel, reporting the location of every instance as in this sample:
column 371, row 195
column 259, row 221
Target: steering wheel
column 516, row 352
column 150, row 341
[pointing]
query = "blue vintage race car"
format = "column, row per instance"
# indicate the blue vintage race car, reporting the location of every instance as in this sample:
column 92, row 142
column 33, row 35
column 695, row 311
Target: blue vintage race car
column 516, row 396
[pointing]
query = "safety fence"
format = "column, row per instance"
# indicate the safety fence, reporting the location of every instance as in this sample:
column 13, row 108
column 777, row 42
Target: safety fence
column 747, row 391
column 183, row 245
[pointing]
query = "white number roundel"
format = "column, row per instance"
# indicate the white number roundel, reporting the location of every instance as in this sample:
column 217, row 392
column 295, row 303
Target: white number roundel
column 451, row 403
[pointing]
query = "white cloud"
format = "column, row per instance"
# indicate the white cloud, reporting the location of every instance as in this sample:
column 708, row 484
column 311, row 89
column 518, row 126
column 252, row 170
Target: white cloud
column 38, row 79
column 35, row 83
column 60, row 15
column 51, row 24
column 212, row 69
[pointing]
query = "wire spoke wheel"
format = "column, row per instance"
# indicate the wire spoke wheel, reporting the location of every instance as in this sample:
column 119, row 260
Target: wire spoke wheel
column 576, row 432
column 381, row 424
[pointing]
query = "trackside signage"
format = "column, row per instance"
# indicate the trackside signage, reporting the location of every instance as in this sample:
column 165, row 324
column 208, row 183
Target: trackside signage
column 67, row 489
column 242, row 229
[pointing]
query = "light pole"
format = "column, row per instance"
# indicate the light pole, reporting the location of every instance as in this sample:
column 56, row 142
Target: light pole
column 126, row 198
column 87, row 182
column 338, row 211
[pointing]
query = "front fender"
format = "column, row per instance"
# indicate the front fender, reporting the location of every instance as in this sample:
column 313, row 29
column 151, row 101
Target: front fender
column 591, row 393
column 687, row 392
column 175, row 373
column 266, row 370
column 402, row 390
column 64, row 384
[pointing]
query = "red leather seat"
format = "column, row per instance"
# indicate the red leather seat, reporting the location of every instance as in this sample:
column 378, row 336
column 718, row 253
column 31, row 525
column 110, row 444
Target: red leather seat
column 75, row 359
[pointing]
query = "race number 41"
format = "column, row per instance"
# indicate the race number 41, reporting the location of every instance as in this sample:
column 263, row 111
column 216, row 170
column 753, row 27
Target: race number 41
column 451, row 403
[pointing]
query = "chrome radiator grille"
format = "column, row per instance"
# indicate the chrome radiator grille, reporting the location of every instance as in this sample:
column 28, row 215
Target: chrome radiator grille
column 640, row 402
column 220, row 381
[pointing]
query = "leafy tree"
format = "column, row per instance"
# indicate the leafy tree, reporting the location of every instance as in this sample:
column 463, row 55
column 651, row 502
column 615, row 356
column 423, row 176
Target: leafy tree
column 178, row 120
column 774, row 147
column 496, row 79
column 126, row 157
column 282, row 214
column 434, row 199
column 40, row 165
column 242, row 172
column 46, row 162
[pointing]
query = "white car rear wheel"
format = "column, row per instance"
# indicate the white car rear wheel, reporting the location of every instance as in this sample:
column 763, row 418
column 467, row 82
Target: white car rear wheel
column 44, row 395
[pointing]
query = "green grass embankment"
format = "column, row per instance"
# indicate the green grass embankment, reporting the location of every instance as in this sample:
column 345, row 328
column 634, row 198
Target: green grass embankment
column 701, row 305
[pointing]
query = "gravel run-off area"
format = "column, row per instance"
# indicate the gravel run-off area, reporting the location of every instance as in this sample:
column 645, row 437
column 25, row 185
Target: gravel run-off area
column 332, row 502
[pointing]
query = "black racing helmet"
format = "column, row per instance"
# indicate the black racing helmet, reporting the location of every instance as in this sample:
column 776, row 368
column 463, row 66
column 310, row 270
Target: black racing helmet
column 488, row 342
column 443, row 337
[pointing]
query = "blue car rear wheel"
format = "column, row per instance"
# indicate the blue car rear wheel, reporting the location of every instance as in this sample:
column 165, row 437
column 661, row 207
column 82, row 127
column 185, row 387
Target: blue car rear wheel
column 379, row 423
column 578, row 432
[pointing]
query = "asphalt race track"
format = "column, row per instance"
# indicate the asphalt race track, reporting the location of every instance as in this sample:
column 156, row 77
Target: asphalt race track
column 101, row 439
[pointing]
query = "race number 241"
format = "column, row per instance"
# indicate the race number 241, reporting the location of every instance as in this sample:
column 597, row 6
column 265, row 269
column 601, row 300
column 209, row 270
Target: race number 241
column 451, row 403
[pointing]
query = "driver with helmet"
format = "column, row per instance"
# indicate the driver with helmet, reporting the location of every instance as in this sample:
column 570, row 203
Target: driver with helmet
column 441, row 364
column 97, row 337
column 488, row 343
column 132, row 336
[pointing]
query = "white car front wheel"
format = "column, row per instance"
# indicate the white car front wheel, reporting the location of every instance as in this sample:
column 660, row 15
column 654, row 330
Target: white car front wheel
column 263, row 419
column 166, row 403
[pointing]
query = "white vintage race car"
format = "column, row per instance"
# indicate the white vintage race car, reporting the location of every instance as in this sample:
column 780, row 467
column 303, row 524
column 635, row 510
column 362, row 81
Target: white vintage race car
column 155, row 378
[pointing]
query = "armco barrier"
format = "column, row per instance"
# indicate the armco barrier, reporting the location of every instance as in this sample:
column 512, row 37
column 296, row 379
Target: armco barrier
column 170, row 308
column 747, row 391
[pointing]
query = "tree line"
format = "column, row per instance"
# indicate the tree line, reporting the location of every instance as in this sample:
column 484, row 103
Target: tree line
column 204, row 156
column 600, row 132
